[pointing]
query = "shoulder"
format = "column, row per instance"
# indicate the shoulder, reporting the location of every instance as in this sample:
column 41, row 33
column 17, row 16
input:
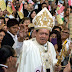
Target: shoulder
column 8, row 40
column 50, row 44
column 28, row 42
column 28, row 45
column 7, row 35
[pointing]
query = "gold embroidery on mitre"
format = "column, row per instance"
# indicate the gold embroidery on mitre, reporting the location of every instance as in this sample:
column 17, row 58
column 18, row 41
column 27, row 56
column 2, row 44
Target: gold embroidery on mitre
column 43, row 21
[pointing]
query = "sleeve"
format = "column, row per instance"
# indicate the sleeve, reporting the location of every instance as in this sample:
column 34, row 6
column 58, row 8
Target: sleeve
column 19, row 47
column 53, row 54
column 22, row 58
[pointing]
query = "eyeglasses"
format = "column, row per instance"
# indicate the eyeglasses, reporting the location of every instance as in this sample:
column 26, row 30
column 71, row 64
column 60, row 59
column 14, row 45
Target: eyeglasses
column 65, row 32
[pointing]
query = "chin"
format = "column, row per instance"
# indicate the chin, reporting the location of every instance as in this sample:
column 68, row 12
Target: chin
column 42, row 43
column 14, row 33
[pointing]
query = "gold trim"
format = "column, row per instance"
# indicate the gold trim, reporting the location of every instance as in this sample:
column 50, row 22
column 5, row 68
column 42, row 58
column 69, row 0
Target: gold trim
column 43, row 28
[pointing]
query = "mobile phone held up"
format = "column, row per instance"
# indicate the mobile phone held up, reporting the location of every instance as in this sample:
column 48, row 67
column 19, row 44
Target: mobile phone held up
column 54, row 41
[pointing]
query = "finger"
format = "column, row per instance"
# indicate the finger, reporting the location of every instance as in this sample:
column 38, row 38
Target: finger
column 4, row 69
column 17, row 65
column 8, row 63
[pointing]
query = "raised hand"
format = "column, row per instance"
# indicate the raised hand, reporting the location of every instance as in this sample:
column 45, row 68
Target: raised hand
column 67, row 68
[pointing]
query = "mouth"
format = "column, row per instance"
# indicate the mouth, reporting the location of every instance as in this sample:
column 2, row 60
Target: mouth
column 43, row 39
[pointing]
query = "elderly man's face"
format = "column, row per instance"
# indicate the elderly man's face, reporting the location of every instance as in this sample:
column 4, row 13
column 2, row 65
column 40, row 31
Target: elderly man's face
column 42, row 36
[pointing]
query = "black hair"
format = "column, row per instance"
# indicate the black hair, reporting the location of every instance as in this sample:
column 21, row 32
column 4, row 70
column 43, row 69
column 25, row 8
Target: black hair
column 37, row 30
column 31, row 13
column 27, row 2
column 25, row 18
column 12, row 22
column 59, row 41
column 44, row 3
column 5, row 52
column 55, row 27
column 1, row 30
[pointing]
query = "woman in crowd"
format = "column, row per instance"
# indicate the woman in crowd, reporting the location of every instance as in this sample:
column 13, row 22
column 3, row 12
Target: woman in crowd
column 55, row 38
column 32, row 14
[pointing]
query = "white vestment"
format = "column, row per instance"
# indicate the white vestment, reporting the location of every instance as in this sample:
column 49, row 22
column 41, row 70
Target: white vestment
column 31, row 57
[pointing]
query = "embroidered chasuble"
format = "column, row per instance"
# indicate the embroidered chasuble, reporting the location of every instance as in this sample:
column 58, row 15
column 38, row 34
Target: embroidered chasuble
column 36, row 57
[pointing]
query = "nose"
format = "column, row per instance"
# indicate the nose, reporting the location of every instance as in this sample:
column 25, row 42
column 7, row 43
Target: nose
column 16, row 29
column 44, row 35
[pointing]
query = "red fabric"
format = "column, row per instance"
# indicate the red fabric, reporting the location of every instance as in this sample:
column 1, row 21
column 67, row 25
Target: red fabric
column 70, row 2
column 21, row 6
column 60, row 10
column 13, row 8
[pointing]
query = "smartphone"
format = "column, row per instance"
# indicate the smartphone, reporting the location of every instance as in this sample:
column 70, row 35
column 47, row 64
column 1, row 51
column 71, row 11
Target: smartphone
column 54, row 41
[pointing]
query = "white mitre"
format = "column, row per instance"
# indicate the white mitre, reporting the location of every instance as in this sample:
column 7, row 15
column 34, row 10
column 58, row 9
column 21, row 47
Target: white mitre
column 43, row 19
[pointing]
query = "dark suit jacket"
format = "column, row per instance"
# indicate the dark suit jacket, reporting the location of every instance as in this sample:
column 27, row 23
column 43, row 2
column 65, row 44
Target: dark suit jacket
column 7, row 40
column 25, row 12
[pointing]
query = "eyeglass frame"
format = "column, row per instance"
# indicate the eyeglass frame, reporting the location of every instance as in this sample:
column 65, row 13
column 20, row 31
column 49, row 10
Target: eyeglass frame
column 65, row 32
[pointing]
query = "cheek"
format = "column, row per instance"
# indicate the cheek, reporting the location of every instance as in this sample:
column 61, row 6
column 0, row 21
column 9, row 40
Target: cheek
column 50, row 39
column 47, row 38
column 13, row 31
column 31, row 15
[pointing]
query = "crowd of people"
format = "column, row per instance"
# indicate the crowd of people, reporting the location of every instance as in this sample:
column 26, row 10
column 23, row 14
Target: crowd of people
column 35, row 36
